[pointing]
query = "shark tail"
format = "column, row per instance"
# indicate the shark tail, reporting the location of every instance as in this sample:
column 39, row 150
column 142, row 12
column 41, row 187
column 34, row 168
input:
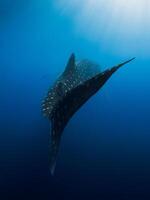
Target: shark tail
column 53, row 153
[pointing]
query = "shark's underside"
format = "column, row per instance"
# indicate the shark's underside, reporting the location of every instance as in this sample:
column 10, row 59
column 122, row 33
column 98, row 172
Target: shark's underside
column 75, row 86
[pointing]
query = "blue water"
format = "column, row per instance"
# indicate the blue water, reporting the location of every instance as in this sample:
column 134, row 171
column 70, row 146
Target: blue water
column 105, row 149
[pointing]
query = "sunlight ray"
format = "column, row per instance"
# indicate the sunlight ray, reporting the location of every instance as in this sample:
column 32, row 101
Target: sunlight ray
column 123, row 21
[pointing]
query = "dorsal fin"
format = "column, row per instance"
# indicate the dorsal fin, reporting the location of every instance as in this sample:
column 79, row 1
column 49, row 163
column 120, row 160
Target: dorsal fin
column 71, row 64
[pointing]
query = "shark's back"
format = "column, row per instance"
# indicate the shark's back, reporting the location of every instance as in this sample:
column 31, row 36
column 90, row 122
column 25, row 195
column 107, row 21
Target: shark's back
column 76, row 73
column 73, row 88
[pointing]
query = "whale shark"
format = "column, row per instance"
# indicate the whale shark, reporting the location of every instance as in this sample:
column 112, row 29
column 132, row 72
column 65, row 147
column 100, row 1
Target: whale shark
column 79, row 81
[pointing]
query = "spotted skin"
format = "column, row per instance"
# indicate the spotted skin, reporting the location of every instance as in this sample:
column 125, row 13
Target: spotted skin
column 75, row 86
column 75, row 74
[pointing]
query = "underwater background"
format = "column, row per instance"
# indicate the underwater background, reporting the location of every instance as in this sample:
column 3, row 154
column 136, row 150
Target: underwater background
column 105, row 148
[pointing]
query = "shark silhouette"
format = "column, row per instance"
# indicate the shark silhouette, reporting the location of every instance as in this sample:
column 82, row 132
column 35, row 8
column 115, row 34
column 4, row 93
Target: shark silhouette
column 74, row 87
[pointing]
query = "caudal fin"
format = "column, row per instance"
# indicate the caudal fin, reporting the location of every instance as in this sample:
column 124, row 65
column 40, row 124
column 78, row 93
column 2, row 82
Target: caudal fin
column 53, row 153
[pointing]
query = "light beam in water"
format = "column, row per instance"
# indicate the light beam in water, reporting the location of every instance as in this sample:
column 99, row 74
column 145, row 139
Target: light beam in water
column 118, row 25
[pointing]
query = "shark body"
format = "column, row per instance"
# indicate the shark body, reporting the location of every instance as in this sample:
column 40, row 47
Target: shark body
column 74, row 87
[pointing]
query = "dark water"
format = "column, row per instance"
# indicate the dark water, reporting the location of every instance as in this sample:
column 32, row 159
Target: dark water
column 105, row 150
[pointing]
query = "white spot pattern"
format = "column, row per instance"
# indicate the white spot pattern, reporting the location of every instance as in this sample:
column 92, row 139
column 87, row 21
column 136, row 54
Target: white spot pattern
column 82, row 71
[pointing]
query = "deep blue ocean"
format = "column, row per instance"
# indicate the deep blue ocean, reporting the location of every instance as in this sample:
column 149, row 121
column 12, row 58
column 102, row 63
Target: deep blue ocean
column 105, row 149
